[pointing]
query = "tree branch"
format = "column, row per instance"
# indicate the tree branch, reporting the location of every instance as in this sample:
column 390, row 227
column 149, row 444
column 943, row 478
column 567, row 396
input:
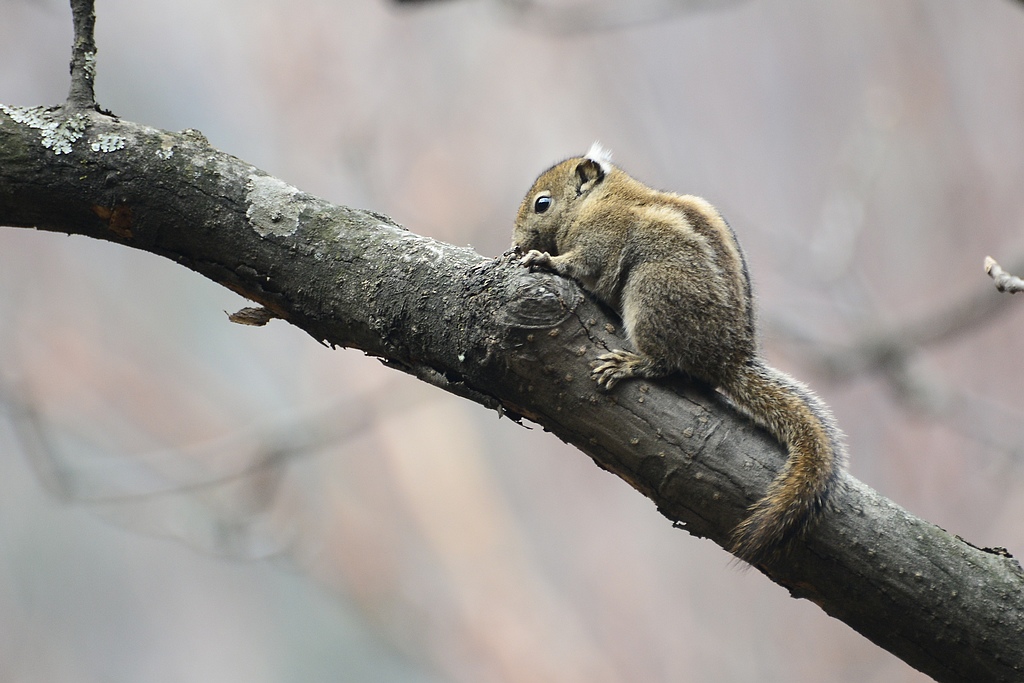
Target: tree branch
column 491, row 331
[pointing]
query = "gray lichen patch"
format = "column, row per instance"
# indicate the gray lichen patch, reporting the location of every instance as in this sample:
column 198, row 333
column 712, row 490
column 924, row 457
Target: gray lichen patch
column 57, row 132
column 89, row 62
column 107, row 142
column 274, row 206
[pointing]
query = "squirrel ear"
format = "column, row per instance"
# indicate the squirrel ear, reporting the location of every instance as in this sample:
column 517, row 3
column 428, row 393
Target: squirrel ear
column 601, row 155
column 588, row 174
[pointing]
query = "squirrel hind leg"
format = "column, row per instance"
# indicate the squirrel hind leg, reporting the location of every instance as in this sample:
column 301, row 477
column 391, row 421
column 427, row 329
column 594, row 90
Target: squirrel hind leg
column 617, row 365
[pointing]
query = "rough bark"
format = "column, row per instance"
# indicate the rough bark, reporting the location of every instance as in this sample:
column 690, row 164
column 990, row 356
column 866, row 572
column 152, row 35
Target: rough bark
column 520, row 342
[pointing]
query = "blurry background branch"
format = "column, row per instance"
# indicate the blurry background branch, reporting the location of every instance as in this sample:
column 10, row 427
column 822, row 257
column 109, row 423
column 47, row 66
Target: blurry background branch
column 570, row 16
column 894, row 355
column 221, row 495
column 891, row 350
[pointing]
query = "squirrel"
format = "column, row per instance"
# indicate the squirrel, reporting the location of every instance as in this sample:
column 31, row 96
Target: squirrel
column 672, row 269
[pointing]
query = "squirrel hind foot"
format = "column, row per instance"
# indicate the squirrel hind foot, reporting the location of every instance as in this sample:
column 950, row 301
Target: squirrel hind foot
column 617, row 365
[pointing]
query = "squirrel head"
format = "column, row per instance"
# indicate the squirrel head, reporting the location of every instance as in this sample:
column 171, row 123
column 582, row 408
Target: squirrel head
column 556, row 197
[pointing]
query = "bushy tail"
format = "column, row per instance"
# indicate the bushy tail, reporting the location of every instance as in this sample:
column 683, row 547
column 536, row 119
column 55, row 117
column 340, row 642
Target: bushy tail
column 800, row 420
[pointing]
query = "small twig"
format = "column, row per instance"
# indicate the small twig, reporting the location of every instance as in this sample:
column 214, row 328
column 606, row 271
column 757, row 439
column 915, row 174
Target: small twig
column 1004, row 281
column 83, row 56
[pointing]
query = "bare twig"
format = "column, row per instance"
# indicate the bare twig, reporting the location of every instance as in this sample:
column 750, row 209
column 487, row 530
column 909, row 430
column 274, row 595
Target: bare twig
column 1004, row 281
column 83, row 56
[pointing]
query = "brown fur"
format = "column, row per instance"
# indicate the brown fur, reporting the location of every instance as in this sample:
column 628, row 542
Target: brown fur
column 673, row 270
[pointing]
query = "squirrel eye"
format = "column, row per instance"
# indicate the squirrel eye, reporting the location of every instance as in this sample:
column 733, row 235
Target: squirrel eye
column 542, row 203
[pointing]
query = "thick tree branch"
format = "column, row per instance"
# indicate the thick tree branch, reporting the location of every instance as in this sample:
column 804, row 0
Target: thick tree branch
column 490, row 331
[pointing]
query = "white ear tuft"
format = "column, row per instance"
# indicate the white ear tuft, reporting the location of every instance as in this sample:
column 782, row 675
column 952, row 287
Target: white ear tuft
column 600, row 156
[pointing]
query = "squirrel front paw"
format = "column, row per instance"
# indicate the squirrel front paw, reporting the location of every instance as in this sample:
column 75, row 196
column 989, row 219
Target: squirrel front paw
column 535, row 258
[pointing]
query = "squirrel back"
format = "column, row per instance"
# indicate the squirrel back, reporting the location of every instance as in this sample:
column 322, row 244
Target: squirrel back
column 671, row 267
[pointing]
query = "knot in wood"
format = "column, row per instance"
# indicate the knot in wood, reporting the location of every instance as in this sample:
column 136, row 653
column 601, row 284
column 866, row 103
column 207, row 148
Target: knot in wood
column 540, row 300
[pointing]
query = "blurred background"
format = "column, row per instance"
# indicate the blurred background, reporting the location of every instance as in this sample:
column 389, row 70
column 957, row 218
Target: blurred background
column 184, row 499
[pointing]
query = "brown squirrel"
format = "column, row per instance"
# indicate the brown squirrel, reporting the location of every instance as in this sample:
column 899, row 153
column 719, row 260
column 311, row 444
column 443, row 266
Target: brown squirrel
column 672, row 269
